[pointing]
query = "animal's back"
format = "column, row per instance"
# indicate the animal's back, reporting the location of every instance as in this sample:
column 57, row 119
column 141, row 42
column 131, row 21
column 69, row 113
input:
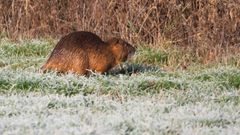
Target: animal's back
column 80, row 39
column 77, row 42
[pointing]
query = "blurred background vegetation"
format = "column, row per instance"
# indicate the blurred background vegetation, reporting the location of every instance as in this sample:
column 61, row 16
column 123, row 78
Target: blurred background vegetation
column 201, row 30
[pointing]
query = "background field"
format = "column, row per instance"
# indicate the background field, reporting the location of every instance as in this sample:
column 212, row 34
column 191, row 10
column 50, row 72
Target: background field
column 141, row 98
column 184, row 78
column 209, row 29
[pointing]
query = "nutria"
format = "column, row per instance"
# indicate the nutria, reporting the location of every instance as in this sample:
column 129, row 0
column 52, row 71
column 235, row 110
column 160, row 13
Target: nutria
column 81, row 52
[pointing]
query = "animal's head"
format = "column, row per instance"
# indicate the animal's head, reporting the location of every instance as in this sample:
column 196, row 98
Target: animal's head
column 121, row 49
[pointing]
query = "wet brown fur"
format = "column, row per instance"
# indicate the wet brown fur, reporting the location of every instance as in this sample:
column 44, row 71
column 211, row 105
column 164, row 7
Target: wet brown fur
column 79, row 52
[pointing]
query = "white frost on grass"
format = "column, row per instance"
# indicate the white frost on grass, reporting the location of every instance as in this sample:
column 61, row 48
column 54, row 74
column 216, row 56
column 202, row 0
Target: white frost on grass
column 53, row 114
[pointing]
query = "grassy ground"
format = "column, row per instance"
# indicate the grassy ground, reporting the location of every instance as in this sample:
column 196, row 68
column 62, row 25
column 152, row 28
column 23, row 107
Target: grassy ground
column 140, row 98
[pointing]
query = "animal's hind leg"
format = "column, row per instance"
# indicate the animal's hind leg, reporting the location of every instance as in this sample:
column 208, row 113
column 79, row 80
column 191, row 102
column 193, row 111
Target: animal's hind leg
column 79, row 70
column 79, row 64
column 74, row 61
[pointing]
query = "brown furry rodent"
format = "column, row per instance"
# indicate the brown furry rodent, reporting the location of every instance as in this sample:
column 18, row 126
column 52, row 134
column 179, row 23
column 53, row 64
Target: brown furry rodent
column 79, row 52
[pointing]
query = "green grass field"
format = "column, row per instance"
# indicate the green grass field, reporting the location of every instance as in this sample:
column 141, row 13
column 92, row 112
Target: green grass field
column 140, row 98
